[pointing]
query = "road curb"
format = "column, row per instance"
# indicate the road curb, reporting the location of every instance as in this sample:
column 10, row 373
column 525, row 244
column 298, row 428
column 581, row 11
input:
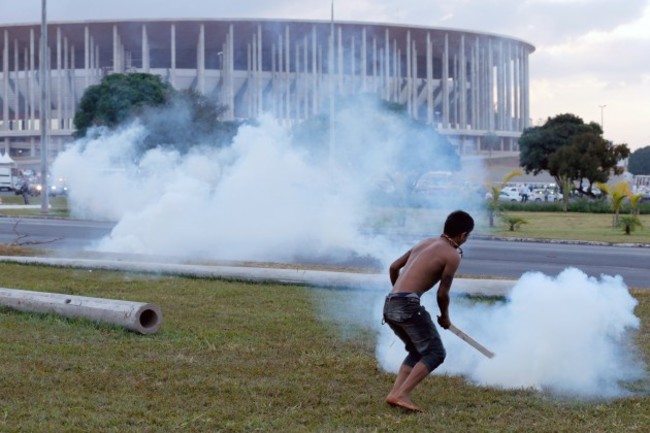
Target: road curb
column 319, row 278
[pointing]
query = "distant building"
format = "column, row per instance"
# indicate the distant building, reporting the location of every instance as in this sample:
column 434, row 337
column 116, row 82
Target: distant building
column 468, row 84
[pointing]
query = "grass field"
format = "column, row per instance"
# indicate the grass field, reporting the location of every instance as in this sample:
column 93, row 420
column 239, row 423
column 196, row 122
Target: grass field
column 576, row 226
column 240, row 357
column 572, row 226
column 58, row 206
column 243, row 357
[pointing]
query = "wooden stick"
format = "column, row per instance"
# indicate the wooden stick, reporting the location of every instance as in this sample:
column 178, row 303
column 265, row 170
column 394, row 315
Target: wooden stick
column 469, row 340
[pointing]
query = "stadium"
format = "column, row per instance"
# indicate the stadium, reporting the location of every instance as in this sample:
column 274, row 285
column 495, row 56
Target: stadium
column 471, row 86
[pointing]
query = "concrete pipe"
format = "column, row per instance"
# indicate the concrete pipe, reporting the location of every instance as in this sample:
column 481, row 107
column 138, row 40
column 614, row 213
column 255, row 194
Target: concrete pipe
column 134, row 316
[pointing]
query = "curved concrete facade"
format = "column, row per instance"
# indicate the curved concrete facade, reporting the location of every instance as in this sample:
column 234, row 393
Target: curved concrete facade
column 467, row 84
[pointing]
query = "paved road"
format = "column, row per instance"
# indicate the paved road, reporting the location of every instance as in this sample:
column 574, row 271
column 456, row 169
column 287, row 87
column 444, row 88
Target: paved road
column 56, row 234
column 511, row 259
column 483, row 257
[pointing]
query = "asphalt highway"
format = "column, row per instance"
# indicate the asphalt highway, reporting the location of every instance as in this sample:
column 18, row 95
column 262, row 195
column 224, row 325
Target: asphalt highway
column 483, row 257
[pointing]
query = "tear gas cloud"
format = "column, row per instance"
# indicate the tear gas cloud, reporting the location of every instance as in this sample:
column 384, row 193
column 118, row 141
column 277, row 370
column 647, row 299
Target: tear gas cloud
column 569, row 334
column 269, row 197
column 264, row 197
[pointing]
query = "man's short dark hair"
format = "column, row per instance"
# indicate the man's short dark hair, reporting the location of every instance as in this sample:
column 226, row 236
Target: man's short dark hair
column 458, row 222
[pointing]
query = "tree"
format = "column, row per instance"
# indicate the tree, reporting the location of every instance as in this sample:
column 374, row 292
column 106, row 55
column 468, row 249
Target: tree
column 537, row 143
column 177, row 119
column 565, row 185
column 187, row 119
column 587, row 159
column 617, row 196
column 629, row 223
column 119, row 97
column 635, row 201
column 568, row 148
column 639, row 162
column 514, row 222
column 493, row 203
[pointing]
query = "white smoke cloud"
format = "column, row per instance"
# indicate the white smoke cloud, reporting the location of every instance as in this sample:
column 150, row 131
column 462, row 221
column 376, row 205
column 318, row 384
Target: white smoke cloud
column 262, row 198
column 569, row 334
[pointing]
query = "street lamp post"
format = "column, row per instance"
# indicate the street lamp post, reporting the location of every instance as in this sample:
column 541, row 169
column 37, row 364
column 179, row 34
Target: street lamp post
column 44, row 68
column 330, row 81
column 602, row 117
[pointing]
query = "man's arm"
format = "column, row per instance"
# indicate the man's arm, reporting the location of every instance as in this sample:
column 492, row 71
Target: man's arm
column 443, row 292
column 396, row 266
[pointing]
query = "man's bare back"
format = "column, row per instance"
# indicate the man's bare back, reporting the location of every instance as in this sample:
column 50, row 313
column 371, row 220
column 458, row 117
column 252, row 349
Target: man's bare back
column 423, row 266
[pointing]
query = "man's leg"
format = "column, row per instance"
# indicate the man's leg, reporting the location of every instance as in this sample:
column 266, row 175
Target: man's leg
column 407, row 379
column 426, row 353
column 402, row 374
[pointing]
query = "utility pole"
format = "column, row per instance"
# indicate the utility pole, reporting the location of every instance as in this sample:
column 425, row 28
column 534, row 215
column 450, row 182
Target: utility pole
column 330, row 69
column 45, row 118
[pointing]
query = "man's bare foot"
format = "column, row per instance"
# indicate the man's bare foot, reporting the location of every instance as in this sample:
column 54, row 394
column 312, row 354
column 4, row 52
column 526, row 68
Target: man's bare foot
column 394, row 401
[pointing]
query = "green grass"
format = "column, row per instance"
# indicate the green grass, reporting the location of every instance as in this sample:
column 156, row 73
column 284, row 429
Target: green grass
column 576, row 226
column 58, row 206
column 571, row 226
column 241, row 357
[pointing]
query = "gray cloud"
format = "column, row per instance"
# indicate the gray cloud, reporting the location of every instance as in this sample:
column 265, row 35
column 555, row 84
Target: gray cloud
column 539, row 22
column 613, row 61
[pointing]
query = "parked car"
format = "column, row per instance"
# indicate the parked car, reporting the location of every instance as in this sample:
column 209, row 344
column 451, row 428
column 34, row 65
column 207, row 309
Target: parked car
column 509, row 194
column 545, row 195
column 33, row 188
column 58, row 187
column 55, row 187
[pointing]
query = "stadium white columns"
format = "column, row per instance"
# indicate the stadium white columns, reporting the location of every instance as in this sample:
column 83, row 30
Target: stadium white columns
column 32, row 111
column 463, row 85
column 200, row 60
column 445, row 84
column 116, row 60
column 467, row 84
column 17, row 121
column 230, row 91
column 429, row 82
column 44, row 72
column 5, row 82
column 59, row 81
column 258, row 79
column 172, row 73
column 285, row 76
column 145, row 50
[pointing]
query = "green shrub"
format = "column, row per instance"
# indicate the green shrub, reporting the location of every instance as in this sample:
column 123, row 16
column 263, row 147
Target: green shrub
column 629, row 223
column 590, row 205
column 514, row 222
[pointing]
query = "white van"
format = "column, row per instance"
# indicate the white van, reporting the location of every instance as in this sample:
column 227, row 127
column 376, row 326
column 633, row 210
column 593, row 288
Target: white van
column 9, row 176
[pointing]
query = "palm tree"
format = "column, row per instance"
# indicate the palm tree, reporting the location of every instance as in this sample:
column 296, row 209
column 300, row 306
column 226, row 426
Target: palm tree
column 514, row 222
column 493, row 203
column 630, row 223
column 635, row 200
column 617, row 194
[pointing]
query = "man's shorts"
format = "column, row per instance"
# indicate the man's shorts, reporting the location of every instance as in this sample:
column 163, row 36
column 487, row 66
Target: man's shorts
column 413, row 325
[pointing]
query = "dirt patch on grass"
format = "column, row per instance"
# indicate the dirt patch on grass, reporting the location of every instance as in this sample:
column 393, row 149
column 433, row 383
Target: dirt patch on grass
column 17, row 250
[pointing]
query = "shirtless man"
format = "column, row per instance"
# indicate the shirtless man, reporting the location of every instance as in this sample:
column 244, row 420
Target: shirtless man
column 423, row 266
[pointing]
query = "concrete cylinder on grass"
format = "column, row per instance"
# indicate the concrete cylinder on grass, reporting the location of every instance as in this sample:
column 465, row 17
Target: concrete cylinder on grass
column 138, row 317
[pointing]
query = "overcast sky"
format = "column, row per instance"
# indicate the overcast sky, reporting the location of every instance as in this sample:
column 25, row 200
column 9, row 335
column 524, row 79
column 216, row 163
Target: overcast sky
column 588, row 52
